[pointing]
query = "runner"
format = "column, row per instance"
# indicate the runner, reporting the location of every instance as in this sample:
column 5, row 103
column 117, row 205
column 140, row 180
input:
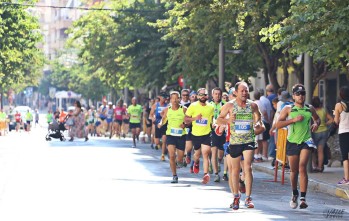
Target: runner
column 160, row 133
column 135, row 113
column 245, row 122
column 200, row 114
column 174, row 115
column 217, row 141
column 299, row 142
column 185, row 93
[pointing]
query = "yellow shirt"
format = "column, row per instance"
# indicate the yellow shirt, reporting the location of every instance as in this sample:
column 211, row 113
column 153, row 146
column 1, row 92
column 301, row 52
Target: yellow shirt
column 203, row 126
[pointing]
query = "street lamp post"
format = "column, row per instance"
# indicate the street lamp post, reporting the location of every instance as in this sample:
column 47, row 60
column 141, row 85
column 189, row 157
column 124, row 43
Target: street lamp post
column 221, row 57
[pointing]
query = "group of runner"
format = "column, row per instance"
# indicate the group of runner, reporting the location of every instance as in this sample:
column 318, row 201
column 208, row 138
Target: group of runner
column 226, row 131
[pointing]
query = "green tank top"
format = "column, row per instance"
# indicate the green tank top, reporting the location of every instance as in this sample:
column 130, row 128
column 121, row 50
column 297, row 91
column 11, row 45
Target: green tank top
column 299, row 132
column 322, row 115
column 174, row 119
column 241, row 131
column 216, row 110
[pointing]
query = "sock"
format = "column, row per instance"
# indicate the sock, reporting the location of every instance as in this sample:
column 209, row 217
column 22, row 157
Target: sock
column 295, row 192
column 205, row 174
column 174, row 175
column 303, row 194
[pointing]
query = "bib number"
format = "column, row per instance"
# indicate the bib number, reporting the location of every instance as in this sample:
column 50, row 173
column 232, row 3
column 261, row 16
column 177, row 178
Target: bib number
column 242, row 127
column 202, row 122
column 176, row 132
column 310, row 143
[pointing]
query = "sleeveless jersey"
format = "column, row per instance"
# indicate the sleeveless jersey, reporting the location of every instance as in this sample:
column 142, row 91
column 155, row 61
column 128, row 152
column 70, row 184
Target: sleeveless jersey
column 174, row 119
column 158, row 110
column 241, row 131
column 299, row 132
column 216, row 110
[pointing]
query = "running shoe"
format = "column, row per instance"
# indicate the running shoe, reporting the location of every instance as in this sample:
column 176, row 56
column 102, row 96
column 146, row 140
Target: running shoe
column 225, row 177
column 217, row 178
column 196, row 168
column 192, row 167
column 187, row 159
column 294, row 201
column 162, row 157
column 210, row 169
column 184, row 163
column 242, row 187
column 249, row 203
column 174, row 179
column 206, row 178
column 343, row 182
column 179, row 165
column 302, row 204
column 236, row 203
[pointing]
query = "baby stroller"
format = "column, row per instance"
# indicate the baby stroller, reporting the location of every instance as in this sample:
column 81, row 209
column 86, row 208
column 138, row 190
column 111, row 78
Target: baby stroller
column 55, row 130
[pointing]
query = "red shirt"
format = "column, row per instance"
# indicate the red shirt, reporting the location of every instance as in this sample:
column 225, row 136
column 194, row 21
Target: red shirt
column 18, row 117
column 119, row 112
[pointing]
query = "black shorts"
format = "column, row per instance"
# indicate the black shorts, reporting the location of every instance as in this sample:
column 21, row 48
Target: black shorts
column 28, row 122
column 218, row 141
column 343, row 143
column 236, row 150
column 265, row 135
column 199, row 140
column 179, row 142
column 159, row 132
column 126, row 121
column 188, row 137
column 118, row 121
column 135, row 125
column 293, row 149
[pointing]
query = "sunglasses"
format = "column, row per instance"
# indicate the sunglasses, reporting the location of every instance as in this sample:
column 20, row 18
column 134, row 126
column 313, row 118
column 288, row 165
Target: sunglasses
column 200, row 94
column 300, row 93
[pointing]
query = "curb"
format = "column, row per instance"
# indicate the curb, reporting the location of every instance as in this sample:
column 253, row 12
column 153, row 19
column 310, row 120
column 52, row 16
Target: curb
column 313, row 184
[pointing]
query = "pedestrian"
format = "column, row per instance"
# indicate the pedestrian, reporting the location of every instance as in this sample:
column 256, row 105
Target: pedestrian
column 320, row 136
column 200, row 114
column 174, row 115
column 341, row 117
column 135, row 113
column 299, row 144
column 245, row 122
column 78, row 128
column 36, row 117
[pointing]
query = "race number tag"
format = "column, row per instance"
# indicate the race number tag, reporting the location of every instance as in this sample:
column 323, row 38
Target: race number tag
column 176, row 132
column 243, row 123
column 202, row 122
column 310, row 143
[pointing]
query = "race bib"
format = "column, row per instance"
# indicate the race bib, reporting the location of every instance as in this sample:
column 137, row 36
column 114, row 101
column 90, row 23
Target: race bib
column 202, row 122
column 134, row 116
column 176, row 132
column 310, row 143
column 242, row 127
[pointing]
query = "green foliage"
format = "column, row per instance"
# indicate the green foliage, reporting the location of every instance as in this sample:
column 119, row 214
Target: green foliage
column 20, row 60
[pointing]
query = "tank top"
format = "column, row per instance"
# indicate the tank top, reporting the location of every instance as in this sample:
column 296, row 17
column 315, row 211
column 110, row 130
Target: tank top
column 158, row 110
column 216, row 110
column 299, row 132
column 322, row 115
column 343, row 121
column 241, row 131
column 174, row 119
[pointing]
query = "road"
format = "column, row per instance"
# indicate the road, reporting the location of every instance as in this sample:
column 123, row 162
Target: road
column 105, row 179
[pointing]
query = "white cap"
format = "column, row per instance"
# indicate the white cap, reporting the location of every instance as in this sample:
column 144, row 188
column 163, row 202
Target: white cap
column 110, row 103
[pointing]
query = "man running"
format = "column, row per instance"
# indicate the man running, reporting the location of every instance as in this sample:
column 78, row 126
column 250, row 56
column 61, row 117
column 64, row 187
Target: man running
column 135, row 113
column 174, row 115
column 245, row 122
column 299, row 142
column 217, row 141
column 200, row 114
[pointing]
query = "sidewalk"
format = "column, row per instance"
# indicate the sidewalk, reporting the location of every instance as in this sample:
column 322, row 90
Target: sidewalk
column 325, row 182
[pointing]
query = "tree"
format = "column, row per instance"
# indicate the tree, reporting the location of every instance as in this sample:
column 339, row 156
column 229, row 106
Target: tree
column 20, row 59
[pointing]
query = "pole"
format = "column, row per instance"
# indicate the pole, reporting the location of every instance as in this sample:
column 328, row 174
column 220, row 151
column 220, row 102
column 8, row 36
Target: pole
column 221, row 54
column 308, row 63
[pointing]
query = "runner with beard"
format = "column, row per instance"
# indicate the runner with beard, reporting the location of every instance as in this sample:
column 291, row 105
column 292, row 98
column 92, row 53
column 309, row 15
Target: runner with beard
column 200, row 115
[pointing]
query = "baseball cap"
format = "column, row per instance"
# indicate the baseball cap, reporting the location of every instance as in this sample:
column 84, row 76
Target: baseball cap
column 110, row 103
column 298, row 88
column 285, row 96
column 193, row 93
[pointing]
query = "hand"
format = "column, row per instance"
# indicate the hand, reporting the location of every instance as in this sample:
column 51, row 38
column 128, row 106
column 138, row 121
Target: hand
column 232, row 118
column 271, row 132
column 198, row 117
column 298, row 118
column 159, row 125
column 314, row 127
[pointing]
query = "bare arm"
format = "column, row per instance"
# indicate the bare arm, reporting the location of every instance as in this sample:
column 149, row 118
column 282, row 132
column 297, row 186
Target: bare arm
column 225, row 110
column 316, row 119
column 337, row 111
column 152, row 111
column 257, row 119
column 282, row 122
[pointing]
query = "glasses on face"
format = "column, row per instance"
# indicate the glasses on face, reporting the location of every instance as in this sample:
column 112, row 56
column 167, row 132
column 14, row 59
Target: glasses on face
column 300, row 93
column 201, row 94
